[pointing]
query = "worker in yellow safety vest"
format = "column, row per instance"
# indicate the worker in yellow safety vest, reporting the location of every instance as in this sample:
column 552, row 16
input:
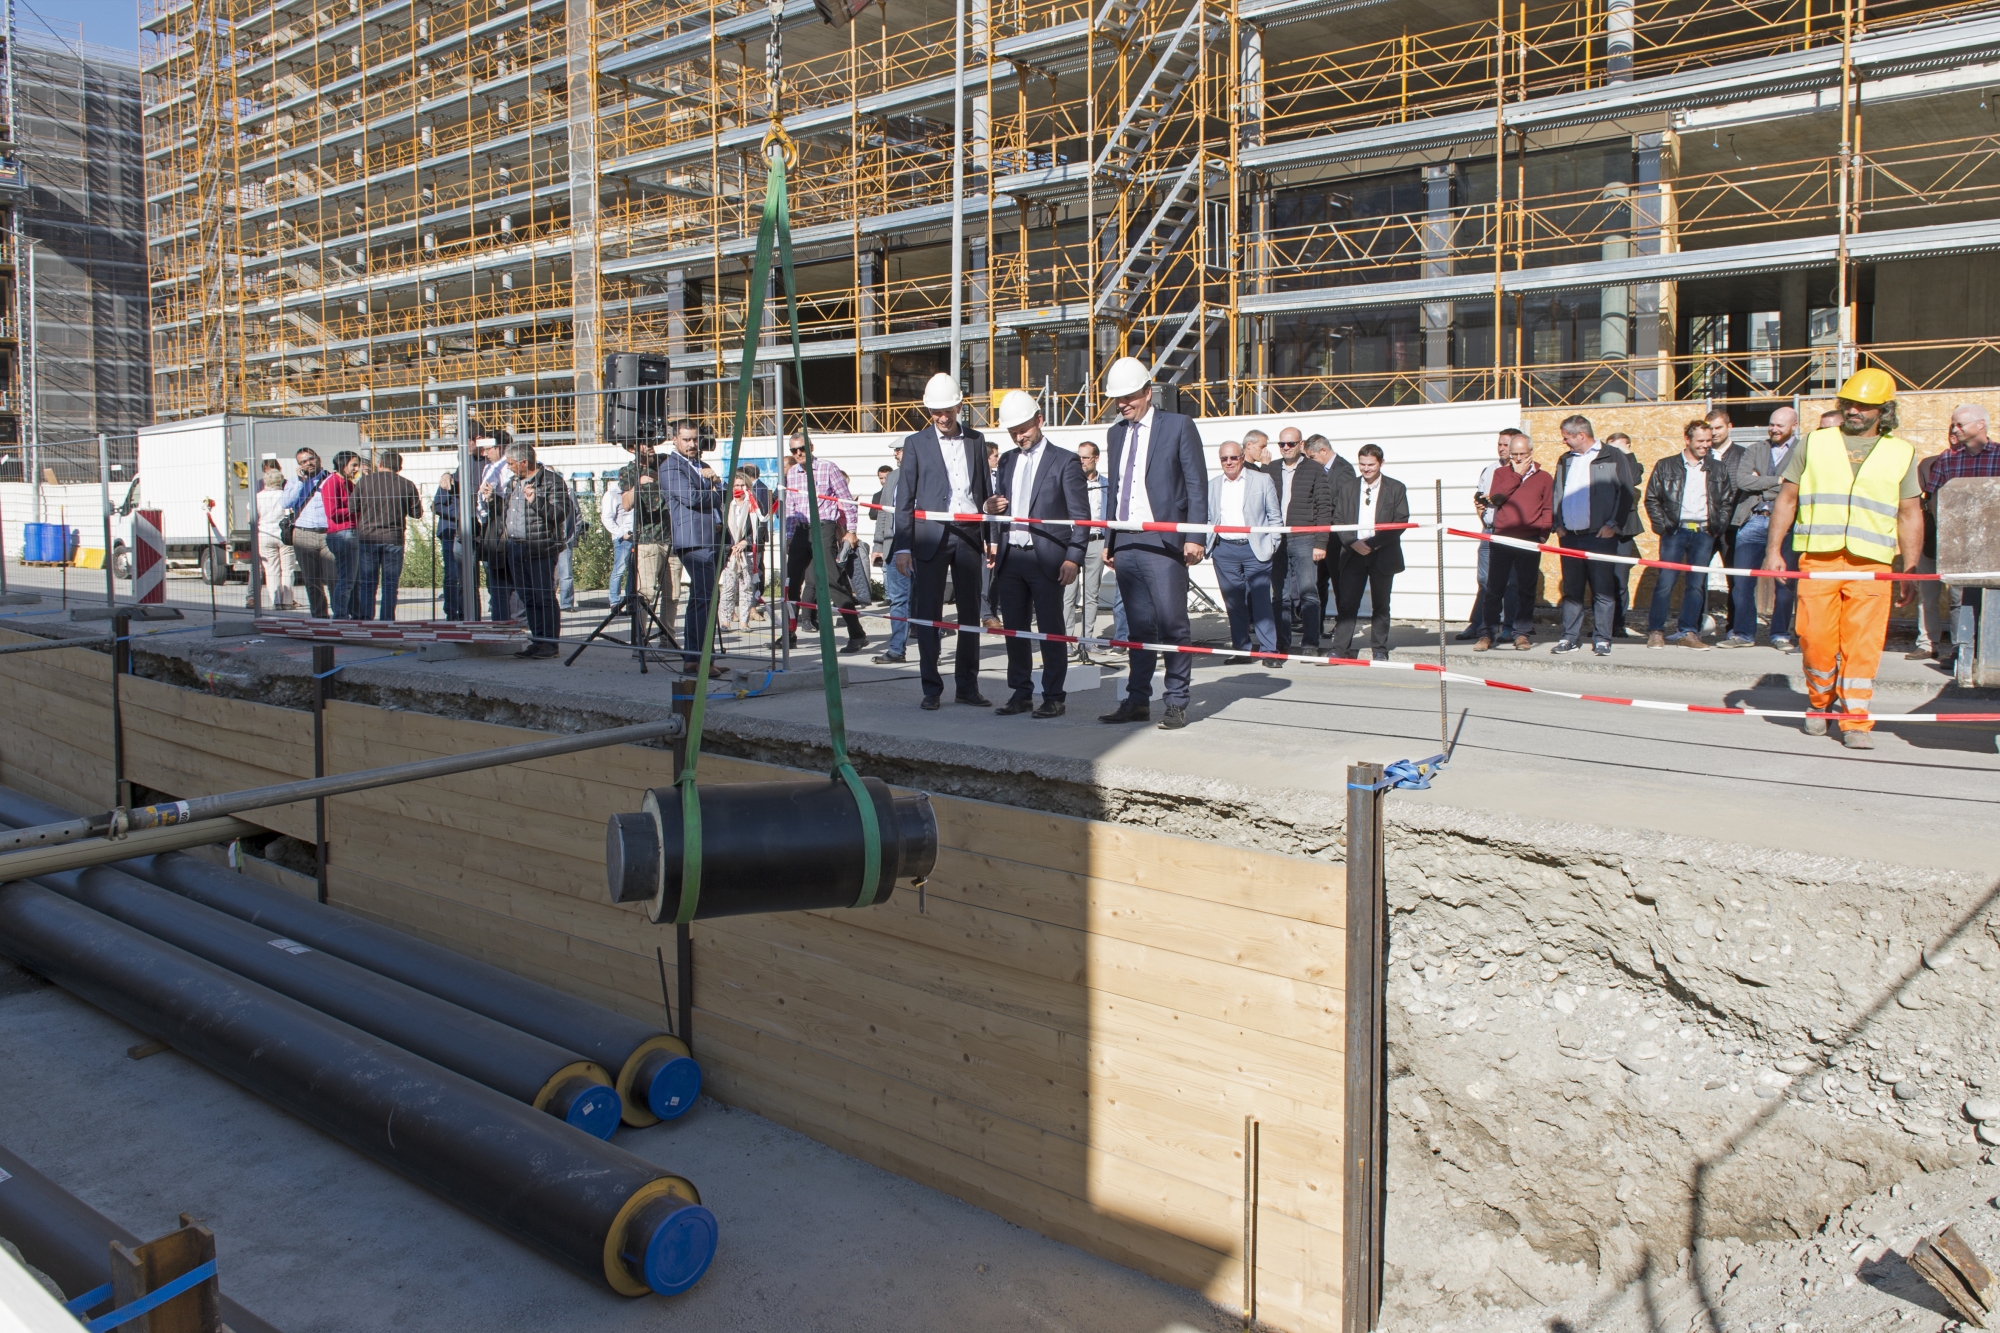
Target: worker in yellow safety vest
column 1856, row 498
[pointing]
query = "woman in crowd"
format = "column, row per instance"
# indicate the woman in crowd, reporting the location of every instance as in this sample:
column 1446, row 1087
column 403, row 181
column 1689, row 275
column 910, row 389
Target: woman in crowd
column 744, row 528
column 280, row 564
column 338, row 495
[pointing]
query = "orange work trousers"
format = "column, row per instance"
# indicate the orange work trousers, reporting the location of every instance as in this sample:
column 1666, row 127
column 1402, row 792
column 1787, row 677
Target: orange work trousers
column 1842, row 624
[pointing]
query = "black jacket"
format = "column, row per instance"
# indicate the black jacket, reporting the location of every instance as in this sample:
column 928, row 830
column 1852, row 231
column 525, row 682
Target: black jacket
column 923, row 483
column 1058, row 494
column 1391, row 506
column 549, row 515
column 1664, row 491
column 1610, row 489
column 1312, row 496
column 1176, row 480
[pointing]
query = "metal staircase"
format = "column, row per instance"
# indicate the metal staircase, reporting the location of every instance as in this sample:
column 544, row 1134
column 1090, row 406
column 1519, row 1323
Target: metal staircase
column 1175, row 68
column 1157, row 243
column 1181, row 351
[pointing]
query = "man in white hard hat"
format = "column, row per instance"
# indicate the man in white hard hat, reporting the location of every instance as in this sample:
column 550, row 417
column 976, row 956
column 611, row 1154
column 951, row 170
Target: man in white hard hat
column 944, row 468
column 1034, row 563
column 1157, row 476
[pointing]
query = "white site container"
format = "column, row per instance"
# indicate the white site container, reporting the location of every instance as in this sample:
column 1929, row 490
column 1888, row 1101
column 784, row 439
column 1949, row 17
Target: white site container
column 202, row 476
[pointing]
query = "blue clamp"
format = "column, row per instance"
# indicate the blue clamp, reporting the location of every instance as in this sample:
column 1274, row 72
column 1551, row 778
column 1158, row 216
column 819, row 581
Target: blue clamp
column 1405, row 775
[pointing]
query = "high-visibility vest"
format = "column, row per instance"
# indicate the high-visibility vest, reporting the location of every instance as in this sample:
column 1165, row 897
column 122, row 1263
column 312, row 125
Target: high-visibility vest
column 1844, row 510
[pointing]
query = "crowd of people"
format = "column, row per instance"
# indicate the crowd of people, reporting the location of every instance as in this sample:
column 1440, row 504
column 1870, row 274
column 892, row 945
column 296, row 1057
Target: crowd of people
column 677, row 529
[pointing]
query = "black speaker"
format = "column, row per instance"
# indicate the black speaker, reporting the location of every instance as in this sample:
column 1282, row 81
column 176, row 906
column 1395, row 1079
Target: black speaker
column 635, row 406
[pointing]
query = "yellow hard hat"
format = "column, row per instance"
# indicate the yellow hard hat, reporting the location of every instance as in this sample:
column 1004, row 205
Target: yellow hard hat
column 1871, row 387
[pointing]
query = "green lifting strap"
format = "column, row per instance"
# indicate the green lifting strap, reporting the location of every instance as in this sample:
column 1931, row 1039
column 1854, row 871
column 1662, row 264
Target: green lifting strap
column 776, row 225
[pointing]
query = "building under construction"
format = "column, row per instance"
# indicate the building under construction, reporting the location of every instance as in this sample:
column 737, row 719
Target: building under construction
column 1277, row 203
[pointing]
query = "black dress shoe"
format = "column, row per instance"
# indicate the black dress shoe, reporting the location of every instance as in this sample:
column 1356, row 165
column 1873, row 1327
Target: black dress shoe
column 1129, row 710
column 1013, row 706
column 930, row 704
column 1175, row 719
column 976, row 699
column 886, row 658
column 1468, row 634
column 854, row 646
column 1049, row 709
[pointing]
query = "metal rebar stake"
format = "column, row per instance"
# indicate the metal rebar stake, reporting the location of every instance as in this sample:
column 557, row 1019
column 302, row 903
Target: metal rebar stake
column 1444, row 724
column 1366, row 1107
column 322, row 667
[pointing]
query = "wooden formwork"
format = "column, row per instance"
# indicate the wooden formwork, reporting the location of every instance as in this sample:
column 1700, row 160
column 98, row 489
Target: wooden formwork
column 1069, row 1030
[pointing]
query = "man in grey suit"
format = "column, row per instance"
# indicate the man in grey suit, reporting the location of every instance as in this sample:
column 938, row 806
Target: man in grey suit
column 1245, row 497
column 1157, row 476
column 1034, row 564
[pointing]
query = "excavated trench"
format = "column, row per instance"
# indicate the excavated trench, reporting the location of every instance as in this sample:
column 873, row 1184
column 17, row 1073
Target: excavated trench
column 1606, row 1047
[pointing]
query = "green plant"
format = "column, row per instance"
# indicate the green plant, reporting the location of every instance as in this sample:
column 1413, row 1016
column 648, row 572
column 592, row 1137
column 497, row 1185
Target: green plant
column 421, row 557
column 590, row 564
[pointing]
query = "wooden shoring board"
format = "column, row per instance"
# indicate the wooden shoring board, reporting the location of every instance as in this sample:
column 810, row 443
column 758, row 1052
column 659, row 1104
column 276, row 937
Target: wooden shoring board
column 1070, row 1033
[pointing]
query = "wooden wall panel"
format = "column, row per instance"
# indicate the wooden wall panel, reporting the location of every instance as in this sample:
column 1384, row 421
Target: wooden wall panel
column 1068, row 1031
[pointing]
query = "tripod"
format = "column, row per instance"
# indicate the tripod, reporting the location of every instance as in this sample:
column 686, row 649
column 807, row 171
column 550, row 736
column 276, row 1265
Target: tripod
column 644, row 624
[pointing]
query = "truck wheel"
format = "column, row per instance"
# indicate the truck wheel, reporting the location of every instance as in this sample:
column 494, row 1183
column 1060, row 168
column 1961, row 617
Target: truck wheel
column 214, row 565
column 121, row 562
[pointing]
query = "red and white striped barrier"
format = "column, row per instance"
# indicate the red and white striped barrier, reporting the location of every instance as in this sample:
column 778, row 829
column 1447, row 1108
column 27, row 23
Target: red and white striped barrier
column 1432, row 668
column 1831, row 575
column 149, row 558
column 392, row 631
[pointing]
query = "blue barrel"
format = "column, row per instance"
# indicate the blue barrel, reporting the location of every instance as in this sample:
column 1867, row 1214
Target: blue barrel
column 34, row 542
column 71, row 546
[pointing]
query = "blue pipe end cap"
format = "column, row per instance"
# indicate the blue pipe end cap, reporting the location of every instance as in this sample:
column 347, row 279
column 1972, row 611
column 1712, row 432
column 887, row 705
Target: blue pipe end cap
column 597, row 1111
column 680, row 1250
column 673, row 1090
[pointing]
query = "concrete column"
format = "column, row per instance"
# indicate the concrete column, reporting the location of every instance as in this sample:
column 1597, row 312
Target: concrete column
column 980, row 120
column 580, row 22
column 1618, row 28
column 1614, row 304
column 1250, row 82
column 1437, row 239
column 677, row 399
column 867, row 323
column 1652, row 303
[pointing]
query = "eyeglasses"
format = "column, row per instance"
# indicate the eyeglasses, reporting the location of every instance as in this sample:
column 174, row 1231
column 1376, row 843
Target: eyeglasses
column 1232, row 458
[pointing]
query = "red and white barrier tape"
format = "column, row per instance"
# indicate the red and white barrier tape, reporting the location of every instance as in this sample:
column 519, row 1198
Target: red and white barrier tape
column 392, row 631
column 1832, row 575
column 1432, row 668
column 1418, row 529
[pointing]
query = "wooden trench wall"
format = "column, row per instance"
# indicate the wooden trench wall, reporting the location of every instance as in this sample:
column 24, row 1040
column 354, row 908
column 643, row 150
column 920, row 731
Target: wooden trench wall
column 1070, row 1035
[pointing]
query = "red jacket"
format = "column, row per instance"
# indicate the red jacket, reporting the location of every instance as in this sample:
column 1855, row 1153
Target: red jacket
column 338, row 496
column 1524, row 504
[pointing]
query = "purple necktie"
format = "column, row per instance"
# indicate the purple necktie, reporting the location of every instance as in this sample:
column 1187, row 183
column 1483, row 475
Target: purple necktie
column 1131, row 466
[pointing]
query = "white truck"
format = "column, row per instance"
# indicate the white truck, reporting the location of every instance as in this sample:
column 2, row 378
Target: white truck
column 202, row 476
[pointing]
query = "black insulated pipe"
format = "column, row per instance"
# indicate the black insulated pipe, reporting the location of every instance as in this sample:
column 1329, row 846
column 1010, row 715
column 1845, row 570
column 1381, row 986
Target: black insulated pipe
column 769, row 847
column 597, row 1208
column 656, row 1078
column 71, row 1241
column 524, row 1067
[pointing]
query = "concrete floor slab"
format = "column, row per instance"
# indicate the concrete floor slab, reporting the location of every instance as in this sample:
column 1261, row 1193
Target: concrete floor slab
column 318, row 1239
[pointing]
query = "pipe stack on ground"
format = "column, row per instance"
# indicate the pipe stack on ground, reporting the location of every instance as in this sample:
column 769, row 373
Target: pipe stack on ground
column 655, row 1077
column 597, row 1208
column 71, row 1241
column 523, row 1067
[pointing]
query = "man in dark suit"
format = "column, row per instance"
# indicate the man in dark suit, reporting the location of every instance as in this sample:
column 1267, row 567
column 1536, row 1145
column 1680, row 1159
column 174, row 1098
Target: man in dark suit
column 1338, row 473
column 1034, row 563
column 1372, row 558
column 944, row 468
column 1157, row 476
column 1305, row 492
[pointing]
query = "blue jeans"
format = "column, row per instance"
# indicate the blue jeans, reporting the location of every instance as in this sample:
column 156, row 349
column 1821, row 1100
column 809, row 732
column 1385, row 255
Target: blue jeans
column 565, row 580
column 897, row 585
column 453, row 608
column 1685, row 546
column 1246, row 593
column 1753, row 543
column 621, row 552
column 383, row 564
column 346, row 549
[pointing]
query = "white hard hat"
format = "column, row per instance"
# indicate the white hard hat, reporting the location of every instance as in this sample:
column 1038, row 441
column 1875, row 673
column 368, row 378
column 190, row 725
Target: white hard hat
column 1128, row 374
column 941, row 391
column 1018, row 409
